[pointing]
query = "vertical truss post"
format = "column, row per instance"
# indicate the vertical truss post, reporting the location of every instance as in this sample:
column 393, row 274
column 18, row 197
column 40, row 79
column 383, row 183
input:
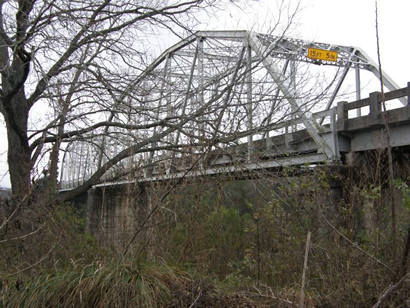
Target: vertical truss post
column 408, row 96
column 287, row 144
column 149, row 170
column 86, row 162
column 293, row 107
column 187, row 95
column 170, row 113
column 168, row 96
column 69, row 170
column 249, row 106
column 201, row 99
column 273, row 107
column 292, row 127
column 358, row 90
column 79, row 162
column 64, row 170
column 72, row 169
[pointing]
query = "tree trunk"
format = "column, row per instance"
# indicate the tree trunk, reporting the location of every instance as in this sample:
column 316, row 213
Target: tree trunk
column 19, row 157
column 55, row 150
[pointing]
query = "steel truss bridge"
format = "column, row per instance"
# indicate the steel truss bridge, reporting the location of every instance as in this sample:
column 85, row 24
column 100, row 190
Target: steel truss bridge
column 234, row 101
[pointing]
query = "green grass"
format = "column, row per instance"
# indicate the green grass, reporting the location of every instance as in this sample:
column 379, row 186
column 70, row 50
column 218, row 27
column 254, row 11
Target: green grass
column 123, row 284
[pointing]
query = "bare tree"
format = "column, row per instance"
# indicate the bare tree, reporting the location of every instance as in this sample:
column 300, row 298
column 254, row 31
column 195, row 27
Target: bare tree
column 115, row 113
column 72, row 53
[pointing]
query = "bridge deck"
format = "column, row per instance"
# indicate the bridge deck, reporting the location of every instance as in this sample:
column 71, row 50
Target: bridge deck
column 343, row 134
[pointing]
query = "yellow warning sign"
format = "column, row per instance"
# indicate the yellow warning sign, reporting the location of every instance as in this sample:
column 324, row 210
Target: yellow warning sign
column 321, row 54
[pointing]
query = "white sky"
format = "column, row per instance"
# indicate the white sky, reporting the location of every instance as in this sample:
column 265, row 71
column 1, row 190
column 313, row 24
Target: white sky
column 342, row 22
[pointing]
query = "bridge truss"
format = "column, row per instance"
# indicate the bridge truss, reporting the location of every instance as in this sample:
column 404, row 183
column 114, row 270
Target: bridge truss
column 212, row 99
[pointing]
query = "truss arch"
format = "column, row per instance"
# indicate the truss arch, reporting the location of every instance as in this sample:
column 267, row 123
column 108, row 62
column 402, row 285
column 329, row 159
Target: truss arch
column 225, row 88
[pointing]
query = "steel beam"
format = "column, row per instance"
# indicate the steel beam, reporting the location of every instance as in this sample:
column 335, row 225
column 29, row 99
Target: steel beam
column 290, row 95
column 336, row 90
column 274, row 101
column 189, row 85
column 292, row 161
column 239, row 35
column 192, row 67
column 208, row 56
column 249, row 106
column 358, row 90
column 387, row 80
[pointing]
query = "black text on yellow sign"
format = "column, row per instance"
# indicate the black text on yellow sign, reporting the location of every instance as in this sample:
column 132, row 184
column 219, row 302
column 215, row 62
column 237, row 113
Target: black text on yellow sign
column 321, row 54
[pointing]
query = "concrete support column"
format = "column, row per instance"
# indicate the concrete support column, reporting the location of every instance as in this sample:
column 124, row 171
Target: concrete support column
column 94, row 199
column 115, row 213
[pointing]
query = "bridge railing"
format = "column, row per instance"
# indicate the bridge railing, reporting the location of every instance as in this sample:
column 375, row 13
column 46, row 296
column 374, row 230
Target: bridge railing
column 288, row 140
column 330, row 122
column 284, row 139
column 374, row 103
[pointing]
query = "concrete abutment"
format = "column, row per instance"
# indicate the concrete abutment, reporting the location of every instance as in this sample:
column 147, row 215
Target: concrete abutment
column 116, row 212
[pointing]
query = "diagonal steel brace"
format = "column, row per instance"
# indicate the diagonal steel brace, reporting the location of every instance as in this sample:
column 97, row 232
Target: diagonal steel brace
column 290, row 95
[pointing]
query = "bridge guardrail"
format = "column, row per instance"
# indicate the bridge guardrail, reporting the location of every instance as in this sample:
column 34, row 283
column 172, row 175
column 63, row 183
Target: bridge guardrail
column 374, row 102
column 337, row 120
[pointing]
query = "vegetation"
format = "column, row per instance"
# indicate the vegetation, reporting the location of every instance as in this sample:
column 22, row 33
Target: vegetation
column 73, row 59
column 216, row 244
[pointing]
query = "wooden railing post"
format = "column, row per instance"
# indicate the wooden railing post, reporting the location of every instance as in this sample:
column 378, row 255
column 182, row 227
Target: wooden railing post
column 342, row 115
column 408, row 99
column 288, row 137
column 335, row 137
column 375, row 108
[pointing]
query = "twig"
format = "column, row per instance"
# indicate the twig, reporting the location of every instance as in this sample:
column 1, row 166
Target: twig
column 258, row 251
column 355, row 245
column 402, row 268
column 34, row 264
column 196, row 299
column 23, row 236
column 302, row 290
column 390, row 289
column 163, row 197
column 388, row 143
column 6, row 221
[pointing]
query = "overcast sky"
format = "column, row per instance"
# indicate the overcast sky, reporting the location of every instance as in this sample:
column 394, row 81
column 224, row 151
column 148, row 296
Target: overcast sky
column 347, row 22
